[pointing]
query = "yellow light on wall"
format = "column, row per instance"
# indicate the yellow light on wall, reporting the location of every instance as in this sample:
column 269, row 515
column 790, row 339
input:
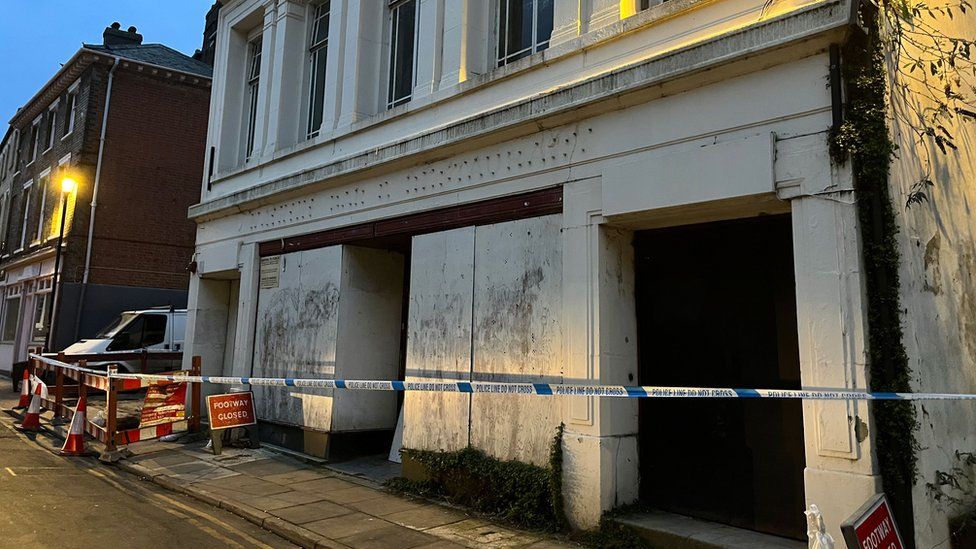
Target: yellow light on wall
column 68, row 185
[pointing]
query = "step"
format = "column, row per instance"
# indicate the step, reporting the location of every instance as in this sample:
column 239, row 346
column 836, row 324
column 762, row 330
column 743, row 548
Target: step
column 669, row 530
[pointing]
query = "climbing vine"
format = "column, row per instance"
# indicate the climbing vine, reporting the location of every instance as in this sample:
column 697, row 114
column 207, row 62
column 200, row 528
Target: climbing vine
column 520, row 493
column 864, row 138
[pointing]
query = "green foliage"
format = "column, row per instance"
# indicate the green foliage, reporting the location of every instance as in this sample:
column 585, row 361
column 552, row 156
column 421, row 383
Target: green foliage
column 520, row 493
column 611, row 533
column 864, row 138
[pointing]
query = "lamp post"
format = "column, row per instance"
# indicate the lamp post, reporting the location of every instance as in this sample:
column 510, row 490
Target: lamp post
column 67, row 186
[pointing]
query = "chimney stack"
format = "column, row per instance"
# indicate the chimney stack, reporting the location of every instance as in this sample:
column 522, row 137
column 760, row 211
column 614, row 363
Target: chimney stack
column 115, row 36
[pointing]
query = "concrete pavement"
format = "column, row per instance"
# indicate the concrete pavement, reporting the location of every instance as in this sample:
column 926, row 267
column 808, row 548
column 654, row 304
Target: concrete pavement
column 314, row 506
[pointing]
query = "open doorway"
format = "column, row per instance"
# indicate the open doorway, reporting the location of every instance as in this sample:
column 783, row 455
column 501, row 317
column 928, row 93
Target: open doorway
column 716, row 307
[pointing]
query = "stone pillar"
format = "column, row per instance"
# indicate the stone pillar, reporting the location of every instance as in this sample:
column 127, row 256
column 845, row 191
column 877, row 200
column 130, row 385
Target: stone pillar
column 606, row 12
column 285, row 80
column 464, row 48
column 600, row 338
column 360, row 49
column 247, row 307
column 840, row 474
column 429, row 47
column 261, row 119
column 566, row 21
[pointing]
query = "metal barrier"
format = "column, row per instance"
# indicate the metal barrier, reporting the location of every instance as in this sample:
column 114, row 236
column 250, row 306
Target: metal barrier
column 100, row 380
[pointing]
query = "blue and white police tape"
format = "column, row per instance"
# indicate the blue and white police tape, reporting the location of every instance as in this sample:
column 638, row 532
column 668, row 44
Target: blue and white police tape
column 549, row 389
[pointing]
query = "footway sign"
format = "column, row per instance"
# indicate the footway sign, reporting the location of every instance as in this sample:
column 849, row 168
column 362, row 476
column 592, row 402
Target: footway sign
column 872, row 527
column 231, row 410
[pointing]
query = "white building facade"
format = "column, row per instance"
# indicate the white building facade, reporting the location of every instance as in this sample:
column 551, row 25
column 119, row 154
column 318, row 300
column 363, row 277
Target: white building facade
column 598, row 192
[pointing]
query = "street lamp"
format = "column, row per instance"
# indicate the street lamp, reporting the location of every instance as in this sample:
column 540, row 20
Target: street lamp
column 68, row 186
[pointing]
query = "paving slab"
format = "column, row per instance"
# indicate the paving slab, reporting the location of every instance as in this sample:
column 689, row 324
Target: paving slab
column 390, row 536
column 262, row 467
column 422, row 518
column 352, row 495
column 323, row 485
column 311, row 512
column 479, row 532
column 346, row 525
column 299, row 475
column 385, row 505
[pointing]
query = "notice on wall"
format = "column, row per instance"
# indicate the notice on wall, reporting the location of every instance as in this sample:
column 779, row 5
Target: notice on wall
column 270, row 272
column 231, row 410
column 872, row 527
column 163, row 404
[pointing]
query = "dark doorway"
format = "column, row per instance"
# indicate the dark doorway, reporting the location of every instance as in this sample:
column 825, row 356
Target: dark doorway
column 716, row 307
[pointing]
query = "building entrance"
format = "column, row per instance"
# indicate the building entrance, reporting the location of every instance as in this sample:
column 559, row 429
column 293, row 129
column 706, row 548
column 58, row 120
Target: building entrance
column 716, row 307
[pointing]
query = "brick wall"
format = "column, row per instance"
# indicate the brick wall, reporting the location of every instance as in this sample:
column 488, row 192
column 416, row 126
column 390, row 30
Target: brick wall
column 151, row 173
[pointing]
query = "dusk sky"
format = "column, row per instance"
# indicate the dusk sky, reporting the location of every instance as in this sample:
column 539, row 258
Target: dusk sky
column 40, row 35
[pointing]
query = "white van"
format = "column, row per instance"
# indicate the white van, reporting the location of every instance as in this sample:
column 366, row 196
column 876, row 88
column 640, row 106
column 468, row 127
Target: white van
column 156, row 329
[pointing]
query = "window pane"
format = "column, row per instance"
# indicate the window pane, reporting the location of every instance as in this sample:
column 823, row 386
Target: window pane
column 154, row 331
column 129, row 338
column 40, row 317
column 10, row 316
column 544, row 25
column 317, row 91
column 320, row 25
column 402, row 59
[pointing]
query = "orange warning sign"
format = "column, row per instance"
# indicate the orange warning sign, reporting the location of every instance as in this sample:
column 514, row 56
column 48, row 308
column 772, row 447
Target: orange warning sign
column 231, row 410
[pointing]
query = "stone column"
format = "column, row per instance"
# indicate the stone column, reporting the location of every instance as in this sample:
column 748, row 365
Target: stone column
column 247, row 309
column 428, row 46
column 359, row 50
column 840, row 473
column 464, row 48
column 600, row 332
column 566, row 21
column 287, row 70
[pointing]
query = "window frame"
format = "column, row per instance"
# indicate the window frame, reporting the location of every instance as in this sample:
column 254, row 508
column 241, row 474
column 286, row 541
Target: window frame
column 6, row 311
column 43, row 183
column 535, row 47
column 69, row 117
column 51, row 126
column 394, row 13
column 25, row 214
column 318, row 52
column 35, row 137
column 252, row 86
column 41, row 298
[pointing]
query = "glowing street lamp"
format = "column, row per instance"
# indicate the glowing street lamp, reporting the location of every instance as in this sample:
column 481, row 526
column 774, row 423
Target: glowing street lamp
column 68, row 186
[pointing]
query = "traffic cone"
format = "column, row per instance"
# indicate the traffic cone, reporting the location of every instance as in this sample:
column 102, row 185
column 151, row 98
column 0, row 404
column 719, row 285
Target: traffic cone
column 32, row 421
column 74, row 445
column 24, row 391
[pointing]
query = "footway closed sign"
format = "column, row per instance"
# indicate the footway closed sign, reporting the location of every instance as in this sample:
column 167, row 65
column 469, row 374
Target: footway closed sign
column 872, row 527
column 231, row 410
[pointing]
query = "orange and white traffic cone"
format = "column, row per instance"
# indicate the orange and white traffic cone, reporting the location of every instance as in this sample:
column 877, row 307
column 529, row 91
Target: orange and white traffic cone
column 24, row 391
column 74, row 445
column 32, row 421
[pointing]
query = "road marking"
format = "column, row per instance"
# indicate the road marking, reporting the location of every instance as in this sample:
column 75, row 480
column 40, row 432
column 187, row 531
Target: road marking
column 253, row 542
column 11, row 471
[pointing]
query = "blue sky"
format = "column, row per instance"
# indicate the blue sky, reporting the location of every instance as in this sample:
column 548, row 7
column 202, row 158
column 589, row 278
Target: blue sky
column 39, row 35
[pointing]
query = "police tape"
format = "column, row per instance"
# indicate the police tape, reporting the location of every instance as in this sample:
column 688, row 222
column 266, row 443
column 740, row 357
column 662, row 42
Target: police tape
column 550, row 389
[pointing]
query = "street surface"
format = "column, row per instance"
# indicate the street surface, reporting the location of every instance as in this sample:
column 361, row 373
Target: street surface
column 52, row 501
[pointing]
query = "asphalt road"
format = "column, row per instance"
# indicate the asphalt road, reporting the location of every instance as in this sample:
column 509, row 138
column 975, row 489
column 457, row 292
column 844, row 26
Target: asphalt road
column 51, row 501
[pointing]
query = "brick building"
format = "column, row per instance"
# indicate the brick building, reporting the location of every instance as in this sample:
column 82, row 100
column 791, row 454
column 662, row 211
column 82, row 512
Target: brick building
column 127, row 122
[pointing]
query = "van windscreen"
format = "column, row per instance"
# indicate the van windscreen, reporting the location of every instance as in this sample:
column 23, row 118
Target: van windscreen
column 113, row 328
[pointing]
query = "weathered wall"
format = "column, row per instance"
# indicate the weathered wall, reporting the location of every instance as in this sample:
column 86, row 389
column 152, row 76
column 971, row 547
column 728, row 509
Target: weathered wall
column 937, row 243
column 439, row 338
column 485, row 304
column 297, row 327
column 517, row 337
column 368, row 338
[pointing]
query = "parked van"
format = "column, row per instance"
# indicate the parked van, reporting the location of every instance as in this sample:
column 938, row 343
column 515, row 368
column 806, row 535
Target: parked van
column 156, row 329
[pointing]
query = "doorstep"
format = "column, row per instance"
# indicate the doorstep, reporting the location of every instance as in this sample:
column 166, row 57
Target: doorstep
column 663, row 529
